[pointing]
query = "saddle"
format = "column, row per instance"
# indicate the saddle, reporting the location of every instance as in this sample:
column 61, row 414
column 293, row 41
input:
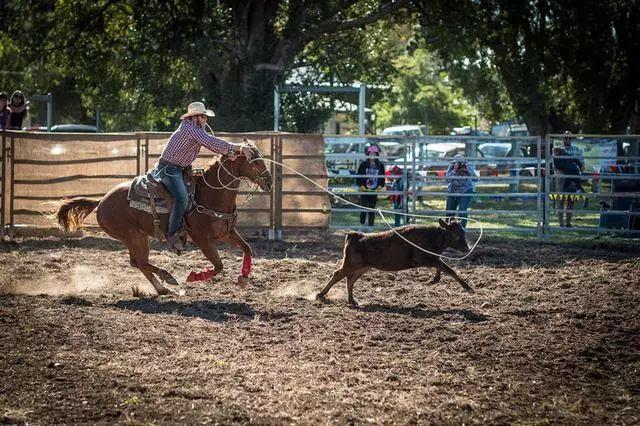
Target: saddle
column 150, row 195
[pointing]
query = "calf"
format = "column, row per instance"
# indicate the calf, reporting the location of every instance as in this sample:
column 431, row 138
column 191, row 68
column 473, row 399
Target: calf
column 388, row 252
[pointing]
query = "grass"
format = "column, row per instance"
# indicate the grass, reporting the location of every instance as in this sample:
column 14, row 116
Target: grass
column 500, row 222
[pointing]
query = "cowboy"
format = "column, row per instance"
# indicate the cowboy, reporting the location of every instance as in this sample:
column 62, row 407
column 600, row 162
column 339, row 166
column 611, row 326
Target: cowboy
column 180, row 151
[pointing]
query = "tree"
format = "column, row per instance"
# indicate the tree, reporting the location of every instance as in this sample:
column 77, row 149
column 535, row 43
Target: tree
column 420, row 87
column 144, row 60
column 563, row 64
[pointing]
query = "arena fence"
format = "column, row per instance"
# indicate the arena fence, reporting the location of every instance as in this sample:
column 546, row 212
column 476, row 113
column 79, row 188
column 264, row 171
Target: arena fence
column 515, row 192
column 41, row 169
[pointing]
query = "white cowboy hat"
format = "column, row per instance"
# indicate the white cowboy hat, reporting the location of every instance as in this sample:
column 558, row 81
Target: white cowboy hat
column 458, row 157
column 197, row 108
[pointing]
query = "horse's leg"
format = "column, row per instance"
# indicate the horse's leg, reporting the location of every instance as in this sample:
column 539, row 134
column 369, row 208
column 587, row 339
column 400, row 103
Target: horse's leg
column 138, row 245
column 234, row 238
column 207, row 246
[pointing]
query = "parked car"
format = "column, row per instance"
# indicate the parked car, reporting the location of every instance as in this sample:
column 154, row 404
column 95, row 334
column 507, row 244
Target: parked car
column 64, row 128
column 74, row 128
column 404, row 130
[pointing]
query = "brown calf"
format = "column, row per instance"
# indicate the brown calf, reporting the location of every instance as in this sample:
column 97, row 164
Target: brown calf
column 388, row 252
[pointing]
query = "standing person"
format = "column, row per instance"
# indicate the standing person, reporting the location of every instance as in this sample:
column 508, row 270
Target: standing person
column 567, row 184
column 374, row 182
column 181, row 150
column 18, row 106
column 398, row 184
column 5, row 112
column 461, row 177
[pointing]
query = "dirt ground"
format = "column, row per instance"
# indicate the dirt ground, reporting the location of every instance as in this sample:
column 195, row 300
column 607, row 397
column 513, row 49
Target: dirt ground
column 552, row 335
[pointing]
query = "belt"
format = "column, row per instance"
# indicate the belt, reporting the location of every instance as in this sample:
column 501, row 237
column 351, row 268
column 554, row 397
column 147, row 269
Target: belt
column 166, row 163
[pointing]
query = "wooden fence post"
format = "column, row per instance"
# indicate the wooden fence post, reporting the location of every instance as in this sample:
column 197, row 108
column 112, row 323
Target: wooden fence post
column 12, row 152
column 3, row 185
column 278, row 182
column 138, row 154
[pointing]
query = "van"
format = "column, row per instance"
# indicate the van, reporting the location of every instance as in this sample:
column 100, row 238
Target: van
column 405, row 130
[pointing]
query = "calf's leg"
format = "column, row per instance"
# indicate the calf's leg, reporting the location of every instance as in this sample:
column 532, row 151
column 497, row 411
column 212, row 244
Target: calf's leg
column 447, row 270
column 436, row 277
column 351, row 280
column 337, row 276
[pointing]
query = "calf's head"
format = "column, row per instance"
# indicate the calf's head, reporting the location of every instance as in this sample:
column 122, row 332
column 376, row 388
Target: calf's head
column 454, row 235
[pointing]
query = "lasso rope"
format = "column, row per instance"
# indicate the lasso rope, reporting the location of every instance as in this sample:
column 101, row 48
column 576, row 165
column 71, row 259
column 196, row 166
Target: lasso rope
column 381, row 211
column 375, row 210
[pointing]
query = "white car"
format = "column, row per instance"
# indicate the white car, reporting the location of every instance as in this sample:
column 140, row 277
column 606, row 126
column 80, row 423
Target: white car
column 405, row 130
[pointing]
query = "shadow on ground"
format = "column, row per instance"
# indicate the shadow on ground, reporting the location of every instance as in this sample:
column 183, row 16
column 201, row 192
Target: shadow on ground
column 204, row 309
column 418, row 312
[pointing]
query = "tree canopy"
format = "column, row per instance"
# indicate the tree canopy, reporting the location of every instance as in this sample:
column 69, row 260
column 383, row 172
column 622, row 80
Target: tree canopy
column 557, row 64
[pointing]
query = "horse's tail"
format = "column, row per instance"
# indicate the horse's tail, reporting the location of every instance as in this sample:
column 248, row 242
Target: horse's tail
column 72, row 212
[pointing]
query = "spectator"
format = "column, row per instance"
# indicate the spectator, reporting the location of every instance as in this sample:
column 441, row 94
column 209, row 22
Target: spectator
column 373, row 182
column 18, row 106
column 568, row 167
column 398, row 184
column 461, row 177
column 4, row 111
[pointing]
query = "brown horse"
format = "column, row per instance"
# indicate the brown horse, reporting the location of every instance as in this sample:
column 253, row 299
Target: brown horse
column 213, row 219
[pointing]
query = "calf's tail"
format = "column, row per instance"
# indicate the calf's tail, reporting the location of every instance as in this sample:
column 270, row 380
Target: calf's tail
column 72, row 212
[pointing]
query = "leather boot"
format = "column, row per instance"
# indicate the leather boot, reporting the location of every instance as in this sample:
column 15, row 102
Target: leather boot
column 174, row 243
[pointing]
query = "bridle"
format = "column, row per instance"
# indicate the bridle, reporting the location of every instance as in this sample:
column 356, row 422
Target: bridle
column 259, row 179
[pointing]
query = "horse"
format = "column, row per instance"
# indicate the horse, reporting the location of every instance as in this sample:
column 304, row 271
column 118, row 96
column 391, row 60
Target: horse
column 213, row 219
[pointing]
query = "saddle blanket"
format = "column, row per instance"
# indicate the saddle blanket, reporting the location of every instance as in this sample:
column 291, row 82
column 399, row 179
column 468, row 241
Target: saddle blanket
column 138, row 195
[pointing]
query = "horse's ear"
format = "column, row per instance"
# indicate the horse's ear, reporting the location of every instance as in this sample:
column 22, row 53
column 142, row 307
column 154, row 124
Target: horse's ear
column 443, row 224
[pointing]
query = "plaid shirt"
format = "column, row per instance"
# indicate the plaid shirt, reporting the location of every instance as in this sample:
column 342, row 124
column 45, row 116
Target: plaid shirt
column 184, row 144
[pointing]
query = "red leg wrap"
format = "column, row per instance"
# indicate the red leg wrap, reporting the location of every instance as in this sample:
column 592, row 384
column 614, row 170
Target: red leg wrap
column 204, row 275
column 246, row 266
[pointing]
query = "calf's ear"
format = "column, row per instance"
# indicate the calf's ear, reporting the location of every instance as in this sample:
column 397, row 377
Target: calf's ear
column 443, row 224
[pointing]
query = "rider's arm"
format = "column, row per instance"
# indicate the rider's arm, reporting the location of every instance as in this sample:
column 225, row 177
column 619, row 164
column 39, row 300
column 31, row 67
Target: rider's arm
column 215, row 144
column 212, row 143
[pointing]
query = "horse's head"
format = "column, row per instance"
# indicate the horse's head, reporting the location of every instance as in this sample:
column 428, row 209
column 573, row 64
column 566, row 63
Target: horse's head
column 254, row 168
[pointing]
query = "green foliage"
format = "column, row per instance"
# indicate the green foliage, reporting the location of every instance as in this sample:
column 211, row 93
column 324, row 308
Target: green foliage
column 420, row 87
column 563, row 64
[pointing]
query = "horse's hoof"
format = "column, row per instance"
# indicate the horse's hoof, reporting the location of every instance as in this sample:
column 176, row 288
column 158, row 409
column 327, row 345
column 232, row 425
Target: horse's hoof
column 321, row 297
column 172, row 281
column 243, row 282
column 469, row 290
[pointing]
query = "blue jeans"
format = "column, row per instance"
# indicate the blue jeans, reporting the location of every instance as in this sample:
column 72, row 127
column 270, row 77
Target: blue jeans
column 171, row 176
column 456, row 202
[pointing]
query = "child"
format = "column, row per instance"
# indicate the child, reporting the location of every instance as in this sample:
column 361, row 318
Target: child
column 18, row 106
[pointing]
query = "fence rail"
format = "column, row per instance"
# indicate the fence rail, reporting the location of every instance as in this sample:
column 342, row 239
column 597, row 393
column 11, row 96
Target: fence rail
column 517, row 189
column 39, row 169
